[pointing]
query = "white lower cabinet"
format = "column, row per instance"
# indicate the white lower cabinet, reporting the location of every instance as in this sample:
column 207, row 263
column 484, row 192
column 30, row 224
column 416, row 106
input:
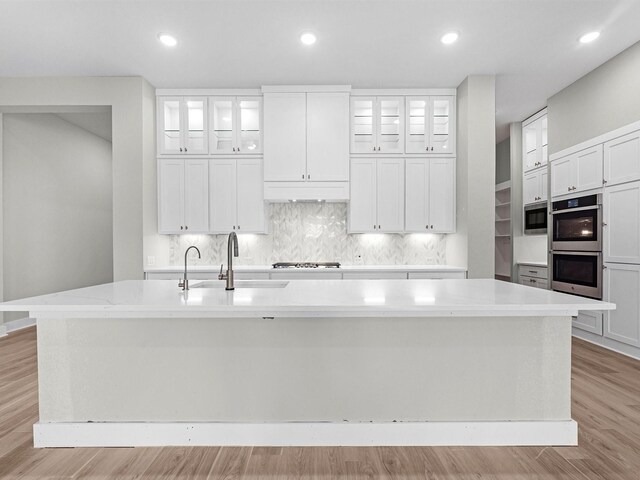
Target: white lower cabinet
column 622, row 287
column 377, row 195
column 589, row 322
column 236, row 198
column 430, row 195
column 183, row 196
column 534, row 186
column 621, row 223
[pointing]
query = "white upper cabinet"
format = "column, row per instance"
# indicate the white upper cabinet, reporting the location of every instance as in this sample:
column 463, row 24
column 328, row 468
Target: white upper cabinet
column 285, row 144
column 182, row 125
column 377, row 195
column 430, row 125
column 622, row 159
column 534, row 186
column 236, row 200
column 577, row 172
column 235, row 125
column 534, row 142
column 377, row 124
column 430, row 195
column 306, row 137
column 621, row 223
column 183, row 196
column 328, row 136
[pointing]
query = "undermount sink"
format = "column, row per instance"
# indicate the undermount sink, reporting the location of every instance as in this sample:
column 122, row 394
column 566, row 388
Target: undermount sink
column 242, row 284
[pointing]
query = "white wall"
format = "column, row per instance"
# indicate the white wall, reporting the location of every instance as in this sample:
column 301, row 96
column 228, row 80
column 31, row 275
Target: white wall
column 57, row 207
column 473, row 244
column 603, row 100
column 133, row 148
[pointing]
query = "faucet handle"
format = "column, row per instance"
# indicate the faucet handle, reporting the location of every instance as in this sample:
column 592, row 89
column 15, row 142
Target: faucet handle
column 221, row 275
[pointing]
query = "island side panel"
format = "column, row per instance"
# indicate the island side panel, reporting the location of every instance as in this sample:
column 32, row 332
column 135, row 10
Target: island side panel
column 304, row 369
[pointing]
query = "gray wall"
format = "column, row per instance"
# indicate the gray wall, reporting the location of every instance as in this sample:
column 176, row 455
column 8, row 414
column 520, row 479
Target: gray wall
column 57, row 207
column 603, row 100
column 473, row 243
column 133, row 150
column 503, row 161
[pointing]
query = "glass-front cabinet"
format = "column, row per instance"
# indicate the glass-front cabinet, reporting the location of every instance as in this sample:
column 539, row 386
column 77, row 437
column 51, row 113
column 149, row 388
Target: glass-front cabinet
column 236, row 125
column 534, row 142
column 182, row 126
column 430, row 125
column 377, row 124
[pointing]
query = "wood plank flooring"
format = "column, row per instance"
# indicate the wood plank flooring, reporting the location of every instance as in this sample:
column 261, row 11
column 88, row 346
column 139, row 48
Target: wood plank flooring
column 606, row 404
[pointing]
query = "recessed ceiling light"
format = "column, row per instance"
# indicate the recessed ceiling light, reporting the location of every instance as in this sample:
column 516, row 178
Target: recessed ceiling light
column 167, row 40
column 589, row 37
column 449, row 38
column 308, row 38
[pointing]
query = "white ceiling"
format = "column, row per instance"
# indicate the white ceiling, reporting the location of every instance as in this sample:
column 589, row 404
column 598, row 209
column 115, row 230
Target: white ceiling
column 530, row 45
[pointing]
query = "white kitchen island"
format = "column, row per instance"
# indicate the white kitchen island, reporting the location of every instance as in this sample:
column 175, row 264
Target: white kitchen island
column 344, row 362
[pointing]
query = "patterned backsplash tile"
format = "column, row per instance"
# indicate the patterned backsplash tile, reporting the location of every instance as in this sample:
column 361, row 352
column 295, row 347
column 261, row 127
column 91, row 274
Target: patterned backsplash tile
column 314, row 232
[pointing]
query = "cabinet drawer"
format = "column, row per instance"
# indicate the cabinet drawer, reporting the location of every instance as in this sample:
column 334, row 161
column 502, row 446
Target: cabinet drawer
column 533, row 282
column 589, row 322
column 436, row 275
column 374, row 275
column 535, row 272
column 293, row 275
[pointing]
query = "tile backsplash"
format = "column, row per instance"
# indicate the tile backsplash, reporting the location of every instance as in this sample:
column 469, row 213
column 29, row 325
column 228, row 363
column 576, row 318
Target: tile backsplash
column 313, row 232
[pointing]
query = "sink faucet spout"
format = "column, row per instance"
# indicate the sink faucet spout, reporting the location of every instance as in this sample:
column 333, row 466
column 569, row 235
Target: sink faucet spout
column 184, row 284
column 232, row 251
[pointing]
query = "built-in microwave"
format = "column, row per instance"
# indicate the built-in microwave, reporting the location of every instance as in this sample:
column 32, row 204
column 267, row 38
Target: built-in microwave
column 579, row 273
column 577, row 224
column 535, row 219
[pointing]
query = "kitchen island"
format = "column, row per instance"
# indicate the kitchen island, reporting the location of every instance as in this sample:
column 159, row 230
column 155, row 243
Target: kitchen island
column 344, row 362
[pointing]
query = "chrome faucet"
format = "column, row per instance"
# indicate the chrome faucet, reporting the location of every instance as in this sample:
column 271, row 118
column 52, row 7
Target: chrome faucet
column 184, row 283
column 233, row 241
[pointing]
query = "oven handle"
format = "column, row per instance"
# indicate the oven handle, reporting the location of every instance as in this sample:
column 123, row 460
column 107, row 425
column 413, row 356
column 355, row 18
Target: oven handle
column 577, row 209
column 582, row 254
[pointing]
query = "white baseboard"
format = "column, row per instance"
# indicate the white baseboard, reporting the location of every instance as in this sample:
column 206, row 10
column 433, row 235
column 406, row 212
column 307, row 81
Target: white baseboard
column 3, row 331
column 19, row 324
column 608, row 343
column 542, row 433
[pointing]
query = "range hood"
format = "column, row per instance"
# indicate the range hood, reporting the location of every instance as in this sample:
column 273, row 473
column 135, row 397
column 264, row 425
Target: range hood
column 280, row 192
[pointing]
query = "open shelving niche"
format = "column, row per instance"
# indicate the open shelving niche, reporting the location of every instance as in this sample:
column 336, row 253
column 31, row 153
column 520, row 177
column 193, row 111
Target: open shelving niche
column 503, row 231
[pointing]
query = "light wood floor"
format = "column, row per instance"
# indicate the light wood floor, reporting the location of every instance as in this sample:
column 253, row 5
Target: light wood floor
column 606, row 404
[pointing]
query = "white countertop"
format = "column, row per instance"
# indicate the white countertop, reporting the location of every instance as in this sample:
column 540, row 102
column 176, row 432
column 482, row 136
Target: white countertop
column 348, row 268
column 308, row 298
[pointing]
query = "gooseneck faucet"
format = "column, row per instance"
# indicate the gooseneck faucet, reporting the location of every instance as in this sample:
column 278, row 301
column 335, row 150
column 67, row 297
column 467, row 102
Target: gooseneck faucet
column 233, row 242
column 184, row 283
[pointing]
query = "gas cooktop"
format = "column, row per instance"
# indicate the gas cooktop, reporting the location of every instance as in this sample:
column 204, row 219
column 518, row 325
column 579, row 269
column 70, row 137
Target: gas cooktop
column 306, row 265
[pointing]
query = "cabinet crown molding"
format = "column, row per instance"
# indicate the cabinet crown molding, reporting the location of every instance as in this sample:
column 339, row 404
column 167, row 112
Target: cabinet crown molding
column 207, row 92
column 305, row 88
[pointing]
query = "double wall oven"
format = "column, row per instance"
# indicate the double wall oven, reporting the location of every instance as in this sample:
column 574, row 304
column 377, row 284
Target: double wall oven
column 576, row 246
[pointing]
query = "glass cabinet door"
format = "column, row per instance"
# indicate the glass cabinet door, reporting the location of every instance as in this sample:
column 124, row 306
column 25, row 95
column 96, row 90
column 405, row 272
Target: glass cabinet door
column 417, row 133
column 363, row 132
column 170, row 134
column 543, row 133
column 195, row 139
column 249, row 125
column 390, row 120
column 222, row 122
column 441, row 125
column 530, row 146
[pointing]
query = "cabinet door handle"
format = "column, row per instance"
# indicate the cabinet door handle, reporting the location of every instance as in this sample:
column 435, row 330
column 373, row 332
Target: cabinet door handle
column 604, row 224
column 238, row 227
column 374, row 227
column 233, row 148
column 431, row 227
column 234, row 227
column 186, row 227
column 432, row 149
column 374, row 149
column 303, row 176
column 180, row 148
column 379, row 227
column 308, row 176
column 185, row 149
column 181, row 227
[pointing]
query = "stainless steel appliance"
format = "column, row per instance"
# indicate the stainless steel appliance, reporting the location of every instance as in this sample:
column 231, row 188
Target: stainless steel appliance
column 577, row 224
column 579, row 273
column 306, row 265
column 535, row 219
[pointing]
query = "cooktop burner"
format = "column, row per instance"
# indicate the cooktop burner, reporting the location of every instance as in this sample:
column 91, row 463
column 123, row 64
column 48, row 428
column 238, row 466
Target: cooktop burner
column 306, row 265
